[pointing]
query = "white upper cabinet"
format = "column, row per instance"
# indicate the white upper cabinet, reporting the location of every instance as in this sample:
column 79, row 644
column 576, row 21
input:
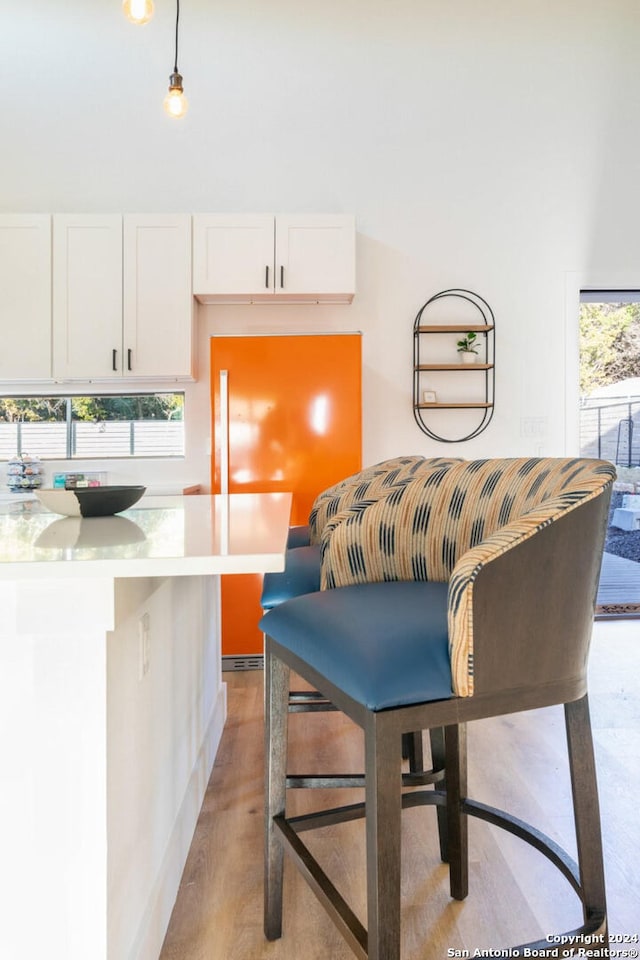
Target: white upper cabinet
column 316, row 255
column 157, row 299
column 87, row 296
column 25, row 296
column 122, row 303
column 261, row 257
column 233, row 256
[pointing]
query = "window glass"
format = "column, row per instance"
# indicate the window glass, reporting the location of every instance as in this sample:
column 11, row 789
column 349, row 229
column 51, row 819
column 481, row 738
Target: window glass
column 59, row 428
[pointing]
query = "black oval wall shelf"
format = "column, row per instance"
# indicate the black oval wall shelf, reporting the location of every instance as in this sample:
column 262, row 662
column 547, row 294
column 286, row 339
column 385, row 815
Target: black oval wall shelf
column 482, row 370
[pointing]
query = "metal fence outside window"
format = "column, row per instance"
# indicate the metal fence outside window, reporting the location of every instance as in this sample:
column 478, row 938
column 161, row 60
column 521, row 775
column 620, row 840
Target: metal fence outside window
column 87, row 440
column 611, row 431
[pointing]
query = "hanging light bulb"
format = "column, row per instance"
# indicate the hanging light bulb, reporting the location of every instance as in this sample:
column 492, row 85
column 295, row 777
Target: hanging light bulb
column 138, row 11
column 175, row 103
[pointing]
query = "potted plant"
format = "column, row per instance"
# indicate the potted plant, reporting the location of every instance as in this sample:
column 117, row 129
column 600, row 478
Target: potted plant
column 467, row 348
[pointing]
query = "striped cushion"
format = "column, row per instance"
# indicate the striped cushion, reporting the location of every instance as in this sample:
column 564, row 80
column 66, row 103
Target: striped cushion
column 371, row 485
column 426, row 476
column 302, row 567
column 446, row 525
column 365, row 483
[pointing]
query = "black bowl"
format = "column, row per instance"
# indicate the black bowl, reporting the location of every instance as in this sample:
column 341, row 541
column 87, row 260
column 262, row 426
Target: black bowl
column 90, row 501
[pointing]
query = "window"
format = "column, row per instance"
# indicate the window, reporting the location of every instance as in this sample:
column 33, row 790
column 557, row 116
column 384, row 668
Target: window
column 609, row 381
column 610, row 429
column 61, row 428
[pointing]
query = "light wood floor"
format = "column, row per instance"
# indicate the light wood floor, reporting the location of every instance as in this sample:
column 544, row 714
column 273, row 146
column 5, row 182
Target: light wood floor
column 516, row 762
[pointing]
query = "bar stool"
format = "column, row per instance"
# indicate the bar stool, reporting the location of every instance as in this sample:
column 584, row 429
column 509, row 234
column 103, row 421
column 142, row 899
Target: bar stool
column 467, row 600
column 302, row 575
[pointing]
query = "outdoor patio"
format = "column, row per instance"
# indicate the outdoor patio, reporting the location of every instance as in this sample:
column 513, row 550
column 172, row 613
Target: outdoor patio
column 619, row 590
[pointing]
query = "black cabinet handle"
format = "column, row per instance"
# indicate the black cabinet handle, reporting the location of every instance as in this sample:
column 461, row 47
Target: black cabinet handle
column 114, row 358
column 281, row 277
column 266, row 276
column 128, row 359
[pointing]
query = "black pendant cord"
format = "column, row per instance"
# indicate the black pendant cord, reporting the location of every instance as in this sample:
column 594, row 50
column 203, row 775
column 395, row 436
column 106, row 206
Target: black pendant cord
column 175, row 68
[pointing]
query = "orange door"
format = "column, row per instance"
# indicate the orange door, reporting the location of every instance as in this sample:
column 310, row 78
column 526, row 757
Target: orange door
column 294, row 424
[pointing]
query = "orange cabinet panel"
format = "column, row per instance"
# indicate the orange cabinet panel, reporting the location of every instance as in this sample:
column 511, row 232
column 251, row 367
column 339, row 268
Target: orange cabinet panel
column 294, row 424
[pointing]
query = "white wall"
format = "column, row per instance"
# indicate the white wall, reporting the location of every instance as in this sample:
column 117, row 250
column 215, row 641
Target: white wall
column 490, row 146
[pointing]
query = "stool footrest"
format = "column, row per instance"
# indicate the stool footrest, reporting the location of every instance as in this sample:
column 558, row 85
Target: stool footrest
column 309, row 701
column 336, row 906
column 330, row 781
column 353, row 931
column 524, row 831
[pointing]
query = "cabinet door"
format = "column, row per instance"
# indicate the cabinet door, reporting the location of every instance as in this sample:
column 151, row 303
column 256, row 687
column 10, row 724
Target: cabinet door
column 87, row 296
column 315, row 255
column 25, row 297
column 233, row 256
column 158, row 304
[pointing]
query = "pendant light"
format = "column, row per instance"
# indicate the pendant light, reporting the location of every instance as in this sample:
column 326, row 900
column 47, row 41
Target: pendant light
column 138, row 11
column 175, row 103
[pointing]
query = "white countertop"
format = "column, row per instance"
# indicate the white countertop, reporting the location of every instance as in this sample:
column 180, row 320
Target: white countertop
column 158, row 537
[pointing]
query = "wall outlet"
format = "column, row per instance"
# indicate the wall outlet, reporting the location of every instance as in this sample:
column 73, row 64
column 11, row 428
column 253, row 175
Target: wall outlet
column 534, row 427
column 144, row 645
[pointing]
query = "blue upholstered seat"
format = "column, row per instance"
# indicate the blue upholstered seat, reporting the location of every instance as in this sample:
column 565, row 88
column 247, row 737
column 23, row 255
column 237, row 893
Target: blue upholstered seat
column 298, row 536
column 384, row 644
column 301, row 575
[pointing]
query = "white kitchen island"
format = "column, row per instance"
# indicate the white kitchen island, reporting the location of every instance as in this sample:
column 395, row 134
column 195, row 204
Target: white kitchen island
column 111, row 711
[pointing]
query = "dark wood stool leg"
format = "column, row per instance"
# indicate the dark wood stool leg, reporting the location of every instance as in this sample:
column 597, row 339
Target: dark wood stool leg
column 276, row 678
column 412, row 751
column 383, row 799
column 587, row 814
column 455, row 738
column 436, row 736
